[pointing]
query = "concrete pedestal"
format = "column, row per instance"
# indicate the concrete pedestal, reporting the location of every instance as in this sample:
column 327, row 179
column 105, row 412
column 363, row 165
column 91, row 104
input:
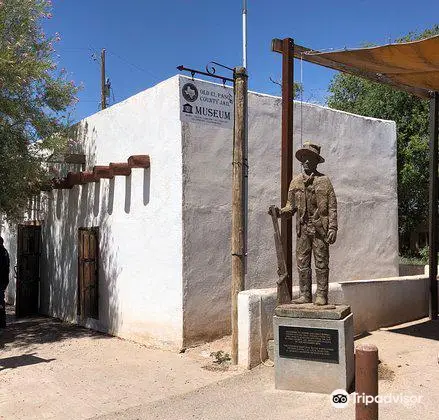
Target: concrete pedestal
column 314, row 348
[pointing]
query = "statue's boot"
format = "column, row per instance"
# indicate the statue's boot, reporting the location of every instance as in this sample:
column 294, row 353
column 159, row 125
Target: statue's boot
column 322, row 278
column 305, row 287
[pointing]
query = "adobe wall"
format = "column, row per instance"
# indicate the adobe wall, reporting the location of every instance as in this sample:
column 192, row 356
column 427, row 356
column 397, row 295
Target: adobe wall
column 139, row 219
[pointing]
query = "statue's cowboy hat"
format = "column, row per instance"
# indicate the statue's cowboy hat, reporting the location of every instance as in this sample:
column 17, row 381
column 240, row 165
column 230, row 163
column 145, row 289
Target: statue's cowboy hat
column 309, row 149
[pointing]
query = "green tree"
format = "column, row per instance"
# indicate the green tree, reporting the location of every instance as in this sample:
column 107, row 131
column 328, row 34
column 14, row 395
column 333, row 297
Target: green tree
column 297, row 90
column 34, row 100
column 411, row 114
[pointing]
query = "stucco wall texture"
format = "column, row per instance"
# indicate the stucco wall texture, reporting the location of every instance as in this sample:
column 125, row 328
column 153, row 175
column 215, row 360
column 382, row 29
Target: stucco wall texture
column 360, row 158
column 139, row 219
column 165, row 268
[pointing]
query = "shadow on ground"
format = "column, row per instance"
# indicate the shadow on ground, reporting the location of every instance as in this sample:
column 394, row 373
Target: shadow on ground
column 24, row 332
column 14, row 362
column 428, row 329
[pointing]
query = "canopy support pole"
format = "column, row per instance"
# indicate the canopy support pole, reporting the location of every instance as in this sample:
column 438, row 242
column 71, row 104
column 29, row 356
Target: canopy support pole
column 286, row 48
column 433, row 225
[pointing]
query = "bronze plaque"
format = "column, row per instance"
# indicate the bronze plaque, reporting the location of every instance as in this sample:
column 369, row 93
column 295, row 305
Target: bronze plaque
column 317, row 344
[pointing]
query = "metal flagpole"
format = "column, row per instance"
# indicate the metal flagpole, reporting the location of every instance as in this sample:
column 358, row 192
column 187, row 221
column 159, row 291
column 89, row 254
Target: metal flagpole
column 244, row 34
column 245, row 158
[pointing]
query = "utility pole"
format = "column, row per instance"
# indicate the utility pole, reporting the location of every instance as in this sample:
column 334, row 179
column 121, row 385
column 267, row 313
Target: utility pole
column 238, row 200
column 103, row 81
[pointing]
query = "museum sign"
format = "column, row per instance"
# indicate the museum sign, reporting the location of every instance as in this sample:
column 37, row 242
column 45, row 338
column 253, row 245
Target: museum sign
column 206, row 103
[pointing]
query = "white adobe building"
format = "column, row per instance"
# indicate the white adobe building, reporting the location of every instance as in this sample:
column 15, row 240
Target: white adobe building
column 163, row 232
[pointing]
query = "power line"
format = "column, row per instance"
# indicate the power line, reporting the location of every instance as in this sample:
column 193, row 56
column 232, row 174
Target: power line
column 95, row 57
column 75, row 49
column 133, row 65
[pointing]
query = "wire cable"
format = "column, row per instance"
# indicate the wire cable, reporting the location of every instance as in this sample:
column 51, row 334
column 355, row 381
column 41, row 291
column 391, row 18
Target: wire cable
column 133, row 65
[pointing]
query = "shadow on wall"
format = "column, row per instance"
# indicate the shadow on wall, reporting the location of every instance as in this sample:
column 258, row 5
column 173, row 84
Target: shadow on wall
column 127, row 194
column 86, row 206
column 84, row 141
column 146, row 185
column 128, row 180
column 78, row 208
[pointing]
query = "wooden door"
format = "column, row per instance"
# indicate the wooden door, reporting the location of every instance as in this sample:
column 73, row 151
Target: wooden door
column 88, row 275
column 28, row 270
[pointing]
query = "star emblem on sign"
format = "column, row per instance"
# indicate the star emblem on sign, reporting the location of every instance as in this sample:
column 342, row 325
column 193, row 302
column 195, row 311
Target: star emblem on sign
column 190, row 92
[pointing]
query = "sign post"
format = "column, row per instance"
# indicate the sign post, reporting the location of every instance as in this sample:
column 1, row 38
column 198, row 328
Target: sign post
column 203, row 103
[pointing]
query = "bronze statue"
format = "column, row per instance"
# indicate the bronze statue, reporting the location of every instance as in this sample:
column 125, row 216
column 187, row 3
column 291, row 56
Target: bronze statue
column 312, row 197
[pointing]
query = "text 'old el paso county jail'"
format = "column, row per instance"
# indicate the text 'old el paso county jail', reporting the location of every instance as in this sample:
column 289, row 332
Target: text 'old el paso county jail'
column 206, row 103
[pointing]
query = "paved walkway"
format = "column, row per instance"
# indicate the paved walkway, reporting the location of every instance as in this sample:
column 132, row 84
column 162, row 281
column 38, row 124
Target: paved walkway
column 53, row 370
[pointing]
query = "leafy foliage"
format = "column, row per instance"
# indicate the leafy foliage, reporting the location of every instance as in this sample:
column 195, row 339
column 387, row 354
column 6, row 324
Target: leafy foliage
column 424, row 254
column 359, row 96
column 34, row 99
column 297, row 90
column 220, row 357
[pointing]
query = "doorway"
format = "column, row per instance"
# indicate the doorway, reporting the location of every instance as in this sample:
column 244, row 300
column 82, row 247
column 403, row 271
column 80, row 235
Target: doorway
column 88, row 272
column 28, row 270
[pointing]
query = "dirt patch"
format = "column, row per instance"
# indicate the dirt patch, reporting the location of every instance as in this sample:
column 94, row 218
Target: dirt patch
column 223, row 367
column 214, row 356
column 385, row 372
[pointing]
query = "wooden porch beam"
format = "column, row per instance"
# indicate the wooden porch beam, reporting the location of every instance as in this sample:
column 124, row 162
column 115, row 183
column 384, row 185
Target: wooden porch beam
column 100, row 171
column 88, row 176
column 122, row 169
column 139, row 161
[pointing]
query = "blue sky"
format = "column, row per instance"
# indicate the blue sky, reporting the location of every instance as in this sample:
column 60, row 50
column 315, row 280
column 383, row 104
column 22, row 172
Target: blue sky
column 146, row 40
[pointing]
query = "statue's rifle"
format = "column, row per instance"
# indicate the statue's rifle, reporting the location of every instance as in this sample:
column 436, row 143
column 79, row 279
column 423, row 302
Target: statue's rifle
column 283, row 292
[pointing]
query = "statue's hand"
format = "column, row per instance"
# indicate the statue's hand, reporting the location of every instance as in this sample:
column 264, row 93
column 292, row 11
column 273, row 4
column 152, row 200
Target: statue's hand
column 332, row 236
column 276, row 210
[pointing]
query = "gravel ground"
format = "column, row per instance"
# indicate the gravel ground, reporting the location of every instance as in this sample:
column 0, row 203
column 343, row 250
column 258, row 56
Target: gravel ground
column 54, row 370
